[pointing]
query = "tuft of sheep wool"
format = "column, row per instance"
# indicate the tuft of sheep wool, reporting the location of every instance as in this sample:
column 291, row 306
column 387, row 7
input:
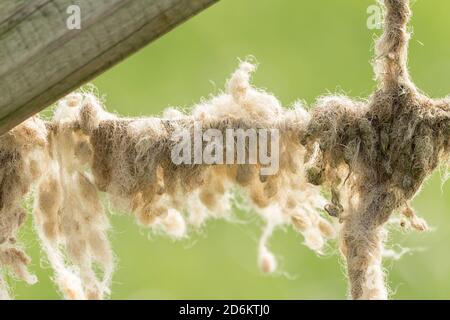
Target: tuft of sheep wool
column 371, row 158
column 22, row 153
column 69, row 215
column 375, row 155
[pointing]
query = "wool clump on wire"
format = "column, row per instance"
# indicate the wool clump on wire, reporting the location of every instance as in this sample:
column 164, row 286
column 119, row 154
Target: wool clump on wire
column 371, row 157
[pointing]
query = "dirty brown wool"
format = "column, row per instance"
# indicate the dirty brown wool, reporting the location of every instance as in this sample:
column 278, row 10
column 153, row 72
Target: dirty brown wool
column 371, row 157
column 375, row 156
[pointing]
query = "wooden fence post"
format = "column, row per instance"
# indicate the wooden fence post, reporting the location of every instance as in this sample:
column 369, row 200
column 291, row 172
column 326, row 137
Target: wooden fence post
column 43, row 55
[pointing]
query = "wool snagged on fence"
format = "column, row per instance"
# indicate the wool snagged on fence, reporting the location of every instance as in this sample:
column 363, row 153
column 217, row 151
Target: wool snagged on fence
column 371, row 156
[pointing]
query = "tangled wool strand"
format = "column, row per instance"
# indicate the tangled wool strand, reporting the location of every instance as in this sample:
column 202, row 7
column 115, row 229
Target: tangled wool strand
column 370, row 156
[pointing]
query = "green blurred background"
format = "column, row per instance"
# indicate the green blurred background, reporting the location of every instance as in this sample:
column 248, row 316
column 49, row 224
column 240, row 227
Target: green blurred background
column 305, row 49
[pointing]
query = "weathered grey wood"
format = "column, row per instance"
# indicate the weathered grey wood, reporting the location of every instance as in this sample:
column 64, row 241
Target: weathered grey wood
column 41, row 60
